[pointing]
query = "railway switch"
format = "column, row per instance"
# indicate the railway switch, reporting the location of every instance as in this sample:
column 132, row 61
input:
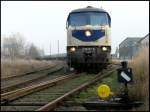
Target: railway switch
column 125, row 76
column 107, row 101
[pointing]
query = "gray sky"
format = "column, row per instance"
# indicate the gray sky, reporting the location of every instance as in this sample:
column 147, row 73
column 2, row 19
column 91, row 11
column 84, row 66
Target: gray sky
column 44, row 22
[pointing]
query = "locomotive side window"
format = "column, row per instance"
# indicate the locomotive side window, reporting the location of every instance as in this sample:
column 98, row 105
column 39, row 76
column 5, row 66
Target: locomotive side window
column 109, row 20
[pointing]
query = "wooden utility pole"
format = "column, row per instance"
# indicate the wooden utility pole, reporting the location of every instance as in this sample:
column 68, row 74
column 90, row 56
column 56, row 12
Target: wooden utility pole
column 58, row 47
column 50, row 49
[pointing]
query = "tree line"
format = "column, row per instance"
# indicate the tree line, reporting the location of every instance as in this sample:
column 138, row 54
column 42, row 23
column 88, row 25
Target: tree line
column 14, row 46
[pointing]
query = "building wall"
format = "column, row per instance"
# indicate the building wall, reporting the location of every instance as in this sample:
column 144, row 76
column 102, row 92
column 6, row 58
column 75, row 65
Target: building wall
column 126, row 52
column 128, row 48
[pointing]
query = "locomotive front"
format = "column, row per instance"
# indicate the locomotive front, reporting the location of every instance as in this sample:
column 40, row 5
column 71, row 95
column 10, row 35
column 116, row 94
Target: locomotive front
column 88, row 38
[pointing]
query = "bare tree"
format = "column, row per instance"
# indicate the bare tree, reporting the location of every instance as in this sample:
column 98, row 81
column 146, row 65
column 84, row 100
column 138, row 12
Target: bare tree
column 33, row 51
column 13, row 46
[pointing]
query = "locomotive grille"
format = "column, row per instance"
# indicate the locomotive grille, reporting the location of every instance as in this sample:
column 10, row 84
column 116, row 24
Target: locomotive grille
column 88, row 50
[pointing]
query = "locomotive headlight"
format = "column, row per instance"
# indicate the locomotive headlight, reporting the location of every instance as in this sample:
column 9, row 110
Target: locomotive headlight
column 87, row 33
column 102, row 27
column 72, row 49
column 104, row 48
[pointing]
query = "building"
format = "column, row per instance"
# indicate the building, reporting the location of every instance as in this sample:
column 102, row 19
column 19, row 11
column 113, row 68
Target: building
column 144, row 42
column 128, row 48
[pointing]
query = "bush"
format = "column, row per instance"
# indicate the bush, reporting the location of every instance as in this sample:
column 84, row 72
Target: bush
column 140, row 89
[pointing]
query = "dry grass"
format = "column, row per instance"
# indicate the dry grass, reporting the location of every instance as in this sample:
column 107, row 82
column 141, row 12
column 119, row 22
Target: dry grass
column 20, row 66
column 115, row 61
column 140, row 89
column 118, row 61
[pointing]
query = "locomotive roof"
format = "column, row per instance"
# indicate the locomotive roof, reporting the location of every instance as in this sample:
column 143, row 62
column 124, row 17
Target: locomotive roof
column 87, row 9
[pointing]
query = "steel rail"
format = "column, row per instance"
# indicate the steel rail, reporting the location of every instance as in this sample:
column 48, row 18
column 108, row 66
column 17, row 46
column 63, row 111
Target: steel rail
column 4, row 89
column 10, row 96
column 51, row 105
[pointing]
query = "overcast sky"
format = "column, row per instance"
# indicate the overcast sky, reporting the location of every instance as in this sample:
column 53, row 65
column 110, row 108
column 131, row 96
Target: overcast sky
column 44, row 22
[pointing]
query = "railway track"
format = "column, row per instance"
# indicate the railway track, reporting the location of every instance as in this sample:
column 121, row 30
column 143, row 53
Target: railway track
column 53, row 104
column 24, row 80
column 47, row 98
column 10, row 96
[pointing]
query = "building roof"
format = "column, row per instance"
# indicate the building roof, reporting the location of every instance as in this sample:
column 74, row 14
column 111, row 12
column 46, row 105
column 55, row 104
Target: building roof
column 146, row 36
column 129, row 41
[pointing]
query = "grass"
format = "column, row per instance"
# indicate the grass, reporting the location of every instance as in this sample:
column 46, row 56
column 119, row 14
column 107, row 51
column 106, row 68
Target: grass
column 112, row 82
column 92, row 91
column 115, row 61
column 140, row 89
column 19, row 66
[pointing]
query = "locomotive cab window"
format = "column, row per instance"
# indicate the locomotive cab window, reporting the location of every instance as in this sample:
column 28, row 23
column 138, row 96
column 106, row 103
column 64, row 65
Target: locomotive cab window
column 88, row 18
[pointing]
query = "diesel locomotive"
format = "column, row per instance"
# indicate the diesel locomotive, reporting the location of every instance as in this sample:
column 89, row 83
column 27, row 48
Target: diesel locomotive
column 88, row 38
